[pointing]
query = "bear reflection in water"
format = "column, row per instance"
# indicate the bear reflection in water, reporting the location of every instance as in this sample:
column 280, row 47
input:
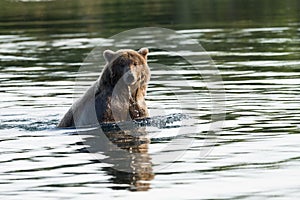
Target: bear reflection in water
column 124, row 146
column 126, row 151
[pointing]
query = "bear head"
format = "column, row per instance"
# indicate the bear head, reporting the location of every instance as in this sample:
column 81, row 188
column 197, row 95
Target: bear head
column 127, row 66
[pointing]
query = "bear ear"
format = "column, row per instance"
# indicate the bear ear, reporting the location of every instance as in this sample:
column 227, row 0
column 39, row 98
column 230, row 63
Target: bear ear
column 144, row 52
column 108, row 55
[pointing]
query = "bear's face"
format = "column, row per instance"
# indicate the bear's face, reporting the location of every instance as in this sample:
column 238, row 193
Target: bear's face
column 128, row 66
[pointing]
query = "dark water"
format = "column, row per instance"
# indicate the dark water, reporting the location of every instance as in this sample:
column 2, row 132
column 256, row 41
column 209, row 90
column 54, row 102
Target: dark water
column 255, row 46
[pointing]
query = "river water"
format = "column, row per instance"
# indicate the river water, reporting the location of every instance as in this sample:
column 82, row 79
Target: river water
column 254, row 154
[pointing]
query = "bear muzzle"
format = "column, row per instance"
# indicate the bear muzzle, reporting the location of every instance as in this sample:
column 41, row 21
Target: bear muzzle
column 129, row 78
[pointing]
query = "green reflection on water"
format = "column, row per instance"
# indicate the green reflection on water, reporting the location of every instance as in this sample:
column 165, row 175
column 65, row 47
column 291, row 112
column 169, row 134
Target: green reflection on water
column 109, row 17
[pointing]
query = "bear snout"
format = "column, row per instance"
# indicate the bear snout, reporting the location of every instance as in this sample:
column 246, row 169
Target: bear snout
column 129, row 78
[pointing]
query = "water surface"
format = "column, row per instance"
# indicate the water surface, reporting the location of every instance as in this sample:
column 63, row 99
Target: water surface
column 255, row 46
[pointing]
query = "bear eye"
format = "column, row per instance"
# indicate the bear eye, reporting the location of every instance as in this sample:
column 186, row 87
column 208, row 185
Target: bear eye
column 135, row 64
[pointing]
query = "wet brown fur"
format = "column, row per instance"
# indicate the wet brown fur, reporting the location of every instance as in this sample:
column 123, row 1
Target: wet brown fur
column 114, row 100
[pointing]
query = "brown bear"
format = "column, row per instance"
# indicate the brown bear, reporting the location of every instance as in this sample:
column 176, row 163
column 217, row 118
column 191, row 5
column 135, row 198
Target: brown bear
column 118, row 94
